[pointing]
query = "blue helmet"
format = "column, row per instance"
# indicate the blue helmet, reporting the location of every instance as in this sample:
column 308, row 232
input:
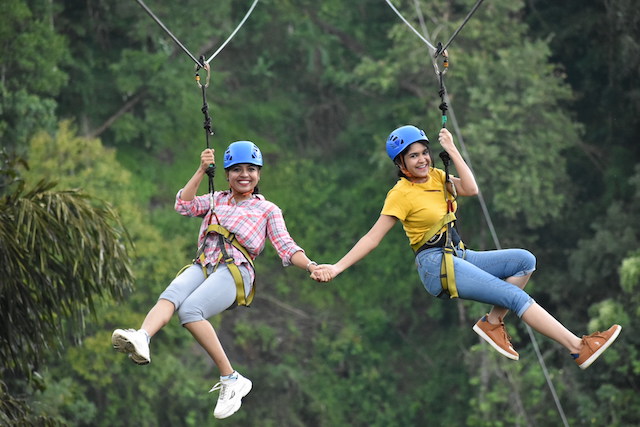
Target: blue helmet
column 402, row 137
column 242, row 152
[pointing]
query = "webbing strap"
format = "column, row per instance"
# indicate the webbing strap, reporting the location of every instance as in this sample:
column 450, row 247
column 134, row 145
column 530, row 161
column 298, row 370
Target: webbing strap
column 230, row 237
column 435, row 229
column 241, row 298
column 224, row 234
column 447, row 271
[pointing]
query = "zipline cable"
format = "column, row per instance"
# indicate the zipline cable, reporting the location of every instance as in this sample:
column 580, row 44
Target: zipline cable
column 427, row 42
column 455, row 33
column 234, row 31
column 175, row 39
column 480, row 196
column 201, row 63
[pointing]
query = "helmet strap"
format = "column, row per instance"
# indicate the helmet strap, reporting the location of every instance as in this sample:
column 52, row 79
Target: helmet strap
column 403, row 168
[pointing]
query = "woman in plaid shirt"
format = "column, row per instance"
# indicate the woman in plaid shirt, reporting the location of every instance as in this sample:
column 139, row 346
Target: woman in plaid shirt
column 196, row 296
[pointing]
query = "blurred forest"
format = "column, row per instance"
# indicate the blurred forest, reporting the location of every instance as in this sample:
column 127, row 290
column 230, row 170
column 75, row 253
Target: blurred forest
column 101, row 123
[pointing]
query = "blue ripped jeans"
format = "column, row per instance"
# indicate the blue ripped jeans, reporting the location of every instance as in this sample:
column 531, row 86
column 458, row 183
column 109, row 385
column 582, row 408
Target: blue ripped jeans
column 480, row 275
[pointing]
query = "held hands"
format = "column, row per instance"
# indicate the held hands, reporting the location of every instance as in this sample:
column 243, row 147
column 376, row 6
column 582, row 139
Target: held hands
column 207, row 159
column 324, row 272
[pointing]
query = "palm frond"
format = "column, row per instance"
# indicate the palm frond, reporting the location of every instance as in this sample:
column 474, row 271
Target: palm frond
column 59, row 252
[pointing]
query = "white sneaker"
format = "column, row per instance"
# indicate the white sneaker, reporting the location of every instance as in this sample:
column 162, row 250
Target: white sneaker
column 132, row 342
column 231, row 394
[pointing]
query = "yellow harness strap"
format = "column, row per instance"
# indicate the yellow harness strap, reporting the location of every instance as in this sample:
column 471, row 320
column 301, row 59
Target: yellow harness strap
column 435, row 229
column 447, row 272
column 241, row 298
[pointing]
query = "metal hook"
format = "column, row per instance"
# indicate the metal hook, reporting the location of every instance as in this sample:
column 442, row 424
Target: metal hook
column 207, row 68
column 445, row 59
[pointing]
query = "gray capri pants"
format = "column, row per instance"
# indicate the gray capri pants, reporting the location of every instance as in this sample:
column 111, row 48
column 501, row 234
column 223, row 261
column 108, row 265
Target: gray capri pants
column 198, row 298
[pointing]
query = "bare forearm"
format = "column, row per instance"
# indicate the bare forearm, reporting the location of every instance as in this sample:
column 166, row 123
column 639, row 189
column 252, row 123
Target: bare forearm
column 367, row 243
column 191, row 187
column 300, row 260
column 361, row 249
column 466, row 184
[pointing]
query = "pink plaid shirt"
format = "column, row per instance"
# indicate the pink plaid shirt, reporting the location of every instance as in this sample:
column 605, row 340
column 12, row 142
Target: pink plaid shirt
column 251, row 220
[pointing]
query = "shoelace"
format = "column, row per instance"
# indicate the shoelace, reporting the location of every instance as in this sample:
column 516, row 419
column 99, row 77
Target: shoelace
column 588, row 339
column 219, row 386
column 505, row 333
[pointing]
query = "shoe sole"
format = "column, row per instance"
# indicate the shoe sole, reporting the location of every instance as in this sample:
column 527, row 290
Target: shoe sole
column 243, row 392
column 486, row 337
column 123, row 345
column 601, row 350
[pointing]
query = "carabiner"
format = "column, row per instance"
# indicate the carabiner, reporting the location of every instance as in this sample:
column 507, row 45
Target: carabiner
column 445, row 59
column 207, row 69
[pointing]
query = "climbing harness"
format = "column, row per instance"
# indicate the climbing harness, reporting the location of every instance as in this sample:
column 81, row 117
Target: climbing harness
column 447, row 272
column 223, row 234
column 226, row 235
column 448, row 240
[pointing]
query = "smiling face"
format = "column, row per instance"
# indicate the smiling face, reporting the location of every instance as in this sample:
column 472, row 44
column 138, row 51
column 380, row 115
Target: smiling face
column 416, row 162
column 243, row 178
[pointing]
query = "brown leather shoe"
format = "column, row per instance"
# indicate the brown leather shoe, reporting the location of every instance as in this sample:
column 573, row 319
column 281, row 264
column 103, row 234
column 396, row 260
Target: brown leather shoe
column 595, row 344
column 497, row 336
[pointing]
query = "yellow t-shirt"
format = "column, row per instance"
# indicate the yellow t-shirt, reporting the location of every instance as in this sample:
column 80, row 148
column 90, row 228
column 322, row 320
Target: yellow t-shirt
column 418, row 206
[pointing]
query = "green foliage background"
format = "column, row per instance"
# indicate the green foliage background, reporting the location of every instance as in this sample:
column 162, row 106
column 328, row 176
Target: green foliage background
column 96, row 96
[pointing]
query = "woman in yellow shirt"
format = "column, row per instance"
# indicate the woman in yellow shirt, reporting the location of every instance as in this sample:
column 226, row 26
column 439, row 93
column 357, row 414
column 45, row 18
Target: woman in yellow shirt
column 497, row 277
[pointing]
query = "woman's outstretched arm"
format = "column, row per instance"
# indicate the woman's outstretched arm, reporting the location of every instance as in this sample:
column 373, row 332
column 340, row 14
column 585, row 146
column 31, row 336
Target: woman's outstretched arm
column 366, row 244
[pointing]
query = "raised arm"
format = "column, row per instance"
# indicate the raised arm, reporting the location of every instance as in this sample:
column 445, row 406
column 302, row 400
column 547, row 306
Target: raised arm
column 465, row 182
column 191, row 188
column 366, row 244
